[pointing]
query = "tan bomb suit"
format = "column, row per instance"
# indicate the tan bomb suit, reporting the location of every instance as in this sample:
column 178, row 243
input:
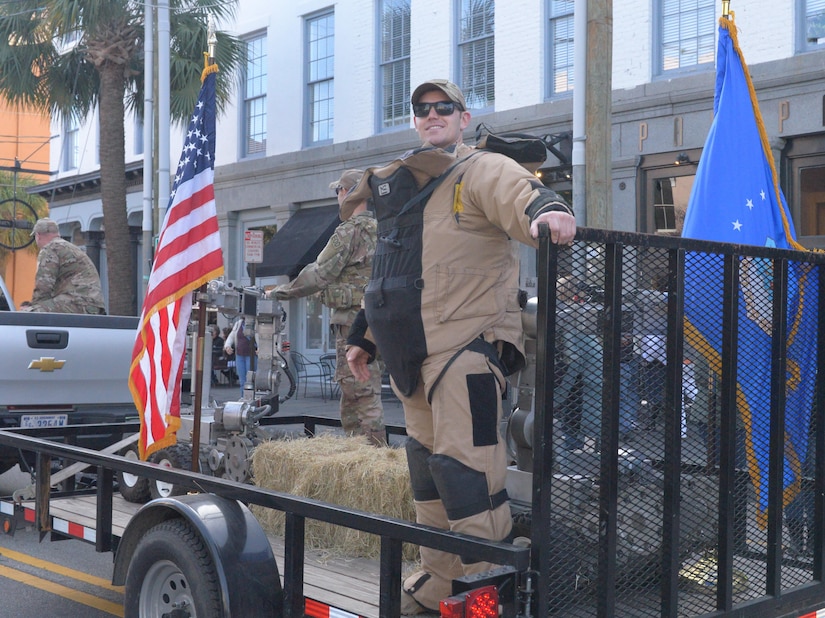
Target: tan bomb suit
column 453, row 261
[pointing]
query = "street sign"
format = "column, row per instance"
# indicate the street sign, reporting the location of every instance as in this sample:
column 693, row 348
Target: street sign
column 253, row 246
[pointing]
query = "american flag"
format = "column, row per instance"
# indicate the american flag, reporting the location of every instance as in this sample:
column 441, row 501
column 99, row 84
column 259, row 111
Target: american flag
column 188, row 255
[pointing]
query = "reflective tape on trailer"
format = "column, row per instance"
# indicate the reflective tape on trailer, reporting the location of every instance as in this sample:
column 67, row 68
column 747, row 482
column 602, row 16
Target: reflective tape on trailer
column 72, row 529
column 316, row 609
column 820, row 613
column 7, row 508
column 63, row 526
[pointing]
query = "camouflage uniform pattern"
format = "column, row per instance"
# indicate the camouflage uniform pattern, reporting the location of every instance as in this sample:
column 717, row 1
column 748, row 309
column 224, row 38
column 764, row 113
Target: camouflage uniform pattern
column 66, row 281
column 361, row 409
column 339, row 274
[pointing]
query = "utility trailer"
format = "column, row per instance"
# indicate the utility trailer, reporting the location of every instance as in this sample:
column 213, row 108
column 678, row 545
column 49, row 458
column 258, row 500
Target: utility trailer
column 209, row 541
column 649, row 512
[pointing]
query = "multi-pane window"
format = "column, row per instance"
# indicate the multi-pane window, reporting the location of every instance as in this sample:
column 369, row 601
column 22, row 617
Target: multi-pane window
column 688, row 31
column 813, row 26
column 321, row 72
column 476, row 52
column 561, row 46
column 395, row 63
column 71, row 143
column 254, row 99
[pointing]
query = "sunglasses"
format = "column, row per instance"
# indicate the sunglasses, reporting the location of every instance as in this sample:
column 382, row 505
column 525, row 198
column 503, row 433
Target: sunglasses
column 442, row 108
column 338, row 189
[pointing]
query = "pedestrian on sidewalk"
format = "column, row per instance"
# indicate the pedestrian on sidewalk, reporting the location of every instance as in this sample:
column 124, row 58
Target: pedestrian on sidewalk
column 241, row 343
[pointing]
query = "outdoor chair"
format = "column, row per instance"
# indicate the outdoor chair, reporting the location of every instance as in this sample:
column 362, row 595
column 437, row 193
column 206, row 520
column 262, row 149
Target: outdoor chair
column 306, row 370
column 328, row 361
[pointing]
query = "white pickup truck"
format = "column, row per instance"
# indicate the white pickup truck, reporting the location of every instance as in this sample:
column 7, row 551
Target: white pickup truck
column 61, row 369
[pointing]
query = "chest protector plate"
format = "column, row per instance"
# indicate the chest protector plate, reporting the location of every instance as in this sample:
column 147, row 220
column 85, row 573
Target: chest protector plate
column 392, row 300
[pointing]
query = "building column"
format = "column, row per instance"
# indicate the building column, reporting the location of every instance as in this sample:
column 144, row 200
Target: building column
column 94, row 242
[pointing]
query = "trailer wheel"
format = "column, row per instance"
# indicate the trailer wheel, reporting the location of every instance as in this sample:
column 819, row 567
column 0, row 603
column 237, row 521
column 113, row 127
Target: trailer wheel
column 172, row 574
column 133, row 488
column 177, row 456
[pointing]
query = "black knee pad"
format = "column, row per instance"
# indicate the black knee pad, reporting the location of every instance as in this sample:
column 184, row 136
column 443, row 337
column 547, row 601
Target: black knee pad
column 421, row 480
column 462, row 489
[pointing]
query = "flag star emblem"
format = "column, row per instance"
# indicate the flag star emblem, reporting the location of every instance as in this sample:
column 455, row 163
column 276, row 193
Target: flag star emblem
column 749, row 203
column 737, row 226
column 762, row 193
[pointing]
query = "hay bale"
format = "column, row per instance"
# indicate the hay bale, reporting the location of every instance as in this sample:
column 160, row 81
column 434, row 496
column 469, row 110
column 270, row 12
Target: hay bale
column 339, row 470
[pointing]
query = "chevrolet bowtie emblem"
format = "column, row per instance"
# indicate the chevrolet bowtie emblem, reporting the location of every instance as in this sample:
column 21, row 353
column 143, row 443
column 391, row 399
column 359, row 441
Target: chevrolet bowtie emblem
column 47, row 363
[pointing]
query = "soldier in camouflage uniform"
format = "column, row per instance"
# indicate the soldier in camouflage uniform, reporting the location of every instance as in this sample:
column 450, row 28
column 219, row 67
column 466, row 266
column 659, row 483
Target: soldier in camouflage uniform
column 340, row 273
column 66, row 280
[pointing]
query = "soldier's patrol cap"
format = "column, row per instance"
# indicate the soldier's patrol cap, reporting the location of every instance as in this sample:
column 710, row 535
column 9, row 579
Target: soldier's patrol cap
column 347, row 180
column 45, row 226
column 452, row 91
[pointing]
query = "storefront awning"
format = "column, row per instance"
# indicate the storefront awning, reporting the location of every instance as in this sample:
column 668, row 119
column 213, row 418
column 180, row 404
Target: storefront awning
column 298, row 242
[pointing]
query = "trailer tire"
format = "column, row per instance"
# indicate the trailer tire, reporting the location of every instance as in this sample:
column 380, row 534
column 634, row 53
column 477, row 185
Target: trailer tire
column 177, row 456
column 172, row 574
column 133, row 488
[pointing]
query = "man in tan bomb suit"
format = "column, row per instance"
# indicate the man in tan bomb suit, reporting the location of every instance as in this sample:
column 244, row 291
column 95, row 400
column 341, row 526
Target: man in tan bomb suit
column 340, row 273
column 66, row 280
column 442, row 308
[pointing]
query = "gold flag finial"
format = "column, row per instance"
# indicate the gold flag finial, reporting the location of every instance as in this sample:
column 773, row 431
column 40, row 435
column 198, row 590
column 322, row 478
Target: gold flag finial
column 725, row 8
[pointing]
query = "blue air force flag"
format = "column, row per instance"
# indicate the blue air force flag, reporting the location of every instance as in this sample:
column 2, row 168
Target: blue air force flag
column 736, row 198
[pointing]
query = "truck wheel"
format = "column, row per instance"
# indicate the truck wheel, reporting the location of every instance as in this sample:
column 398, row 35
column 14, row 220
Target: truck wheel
column 178, row 456
column 133, row 488
column 172, row 574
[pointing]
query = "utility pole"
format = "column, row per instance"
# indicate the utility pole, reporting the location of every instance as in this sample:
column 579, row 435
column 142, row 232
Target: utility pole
column 162, row 107
column 598, row 111
column 148, row 144
column 579, row 98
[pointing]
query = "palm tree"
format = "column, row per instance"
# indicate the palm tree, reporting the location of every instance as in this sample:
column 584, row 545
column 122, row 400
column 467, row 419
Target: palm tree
column 68, row 57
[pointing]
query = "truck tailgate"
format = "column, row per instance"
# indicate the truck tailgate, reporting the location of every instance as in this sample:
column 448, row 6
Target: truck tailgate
column 54, row 359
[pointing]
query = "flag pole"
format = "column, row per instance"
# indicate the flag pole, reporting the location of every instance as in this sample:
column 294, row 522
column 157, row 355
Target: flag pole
column 197, row 403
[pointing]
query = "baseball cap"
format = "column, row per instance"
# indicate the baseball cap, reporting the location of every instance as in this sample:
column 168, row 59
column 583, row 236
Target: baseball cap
column 452, row 91
column 347, row 180
column 45, row 226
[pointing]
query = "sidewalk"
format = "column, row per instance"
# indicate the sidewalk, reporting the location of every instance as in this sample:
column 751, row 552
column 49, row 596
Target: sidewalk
column 313, row 404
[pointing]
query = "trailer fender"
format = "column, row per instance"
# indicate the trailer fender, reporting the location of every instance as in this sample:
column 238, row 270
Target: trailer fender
column 235, row 540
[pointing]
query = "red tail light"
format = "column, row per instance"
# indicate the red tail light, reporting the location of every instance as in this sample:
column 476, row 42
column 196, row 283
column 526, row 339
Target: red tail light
column 478, row 603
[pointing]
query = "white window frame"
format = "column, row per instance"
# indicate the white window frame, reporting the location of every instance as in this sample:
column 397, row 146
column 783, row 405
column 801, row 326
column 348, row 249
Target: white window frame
column 320, row 80
column 71, row 143
column 810, row 25
column 394, row 64
column 560, row 44
column 253, row 108
column 475, row 39
column 685, row 36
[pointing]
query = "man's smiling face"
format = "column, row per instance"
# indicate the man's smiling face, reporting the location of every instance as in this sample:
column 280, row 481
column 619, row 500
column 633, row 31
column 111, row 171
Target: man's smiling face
column 440, row 131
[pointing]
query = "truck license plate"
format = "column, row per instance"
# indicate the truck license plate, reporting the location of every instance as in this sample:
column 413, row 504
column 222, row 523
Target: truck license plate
column 35, row 421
